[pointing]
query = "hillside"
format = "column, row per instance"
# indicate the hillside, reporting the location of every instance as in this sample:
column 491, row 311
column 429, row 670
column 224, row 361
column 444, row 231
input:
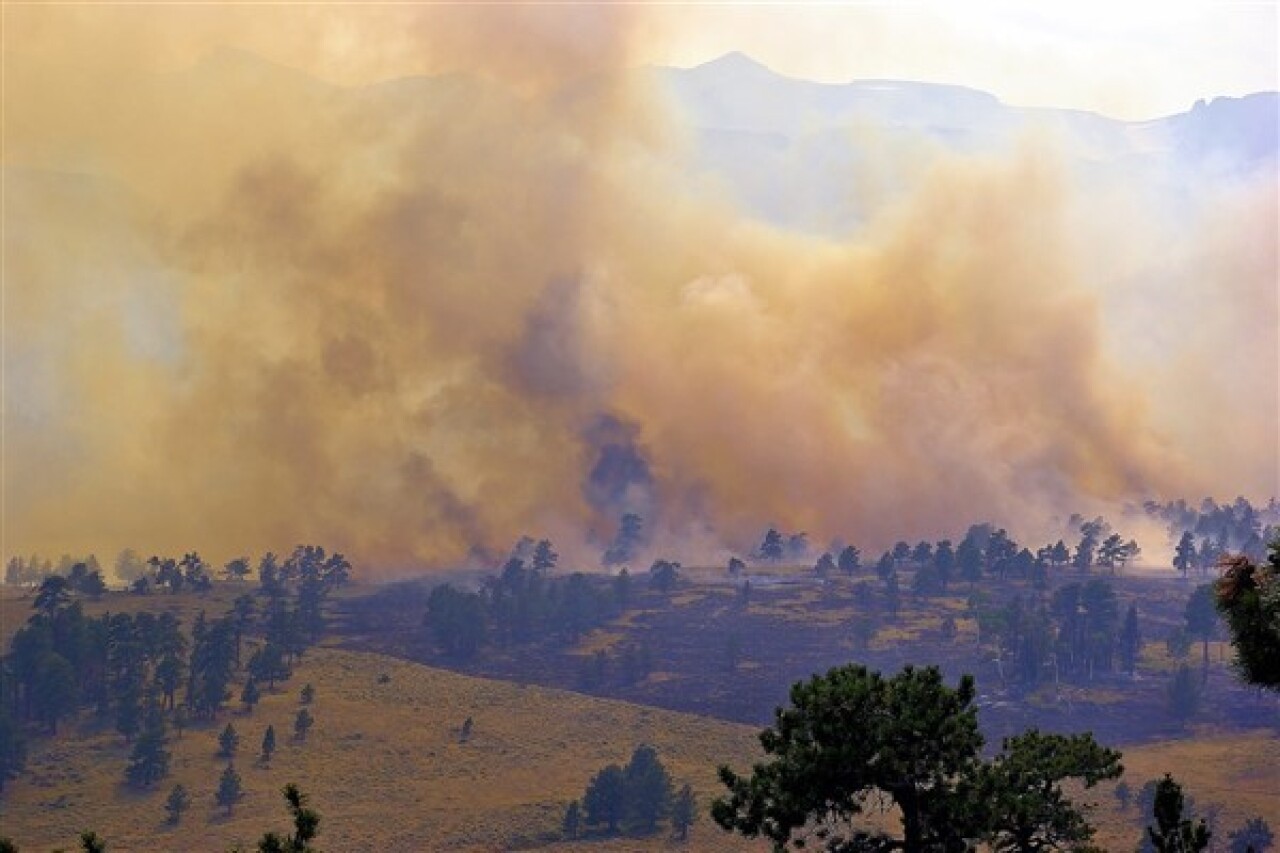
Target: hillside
column 383, row 765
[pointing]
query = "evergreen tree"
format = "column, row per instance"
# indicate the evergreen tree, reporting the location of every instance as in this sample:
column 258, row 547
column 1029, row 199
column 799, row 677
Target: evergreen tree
column 250, row 695
column 850, row 560
column 308, row 694
column 268, row 743
column 1020, row 791
column 1184, row 555
column 605, row 799
column 648, row 790
column 55, row 692
column 149, row 761
column 684, row 812
column 572, row 820
column 229, row 789
column 1254, row 836
column 771, row 548
column 1173, row 833
column 1248, row 595
column 91, row 842
column 228, row 742
column 917, row 739
column 306, row 825
column 177, row 803
column 1201, row 619
column 302, row 723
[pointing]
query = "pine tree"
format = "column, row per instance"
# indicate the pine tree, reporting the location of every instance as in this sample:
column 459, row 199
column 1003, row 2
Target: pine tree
column 605, row 799
column 572, row 820
column 302, row 723
column 306, row 825
column 1254, row 836
column 149, row 761
column 228, row 742
column 1172, row 833
column 684, row 812
column 91, row 842
column 308, row 694
column 268, row 743
column 250, row 695
column 177, row 803
column 648, row 790
column 229, row 789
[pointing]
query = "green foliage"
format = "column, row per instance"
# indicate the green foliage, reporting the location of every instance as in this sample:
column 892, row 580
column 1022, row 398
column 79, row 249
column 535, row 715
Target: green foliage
column 306, row 825
column 647, row 790
column 1248, row 595
column 456, row 620
column 572, row 822
column 177, row 802
column 228, row 742
column 149, row 760
column 850, row 738
column 663, row 575
column 302, row 723
column 91, row 842
column 1172, row 833
column 268, row 743
column 308, row 694
column 684, row 812
column 1254, row 836
column 229, row 789
column 1020, row 792
column 605, row 798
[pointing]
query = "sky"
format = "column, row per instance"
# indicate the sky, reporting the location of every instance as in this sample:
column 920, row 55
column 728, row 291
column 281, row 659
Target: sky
column 1128, row 60
column 250, row 304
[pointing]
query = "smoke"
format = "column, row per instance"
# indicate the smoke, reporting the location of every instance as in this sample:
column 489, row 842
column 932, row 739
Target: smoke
column 416, row 319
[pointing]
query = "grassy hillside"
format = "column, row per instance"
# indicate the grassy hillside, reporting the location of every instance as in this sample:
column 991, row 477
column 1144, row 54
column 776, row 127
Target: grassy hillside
column 386, row 770
column 383, row 766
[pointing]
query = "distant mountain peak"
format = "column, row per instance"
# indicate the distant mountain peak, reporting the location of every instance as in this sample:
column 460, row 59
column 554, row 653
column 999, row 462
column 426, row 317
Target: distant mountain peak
column 736, row 62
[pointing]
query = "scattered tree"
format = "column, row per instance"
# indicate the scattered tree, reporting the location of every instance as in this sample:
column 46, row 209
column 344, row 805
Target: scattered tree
column 228, row 742
column 302, row 724
column 229, row 789
column 306, row 825
column 684, row 813
column 268, row 743
column 572, row 820
column 1173, row 833
column 1254, row 837
column 177, row 803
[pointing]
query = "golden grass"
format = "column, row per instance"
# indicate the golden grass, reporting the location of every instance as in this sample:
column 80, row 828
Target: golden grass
column 1240, row 772
column 383, row 765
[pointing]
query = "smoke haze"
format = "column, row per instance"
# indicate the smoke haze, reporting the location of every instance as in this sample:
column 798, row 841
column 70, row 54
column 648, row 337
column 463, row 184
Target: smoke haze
column 415, row 319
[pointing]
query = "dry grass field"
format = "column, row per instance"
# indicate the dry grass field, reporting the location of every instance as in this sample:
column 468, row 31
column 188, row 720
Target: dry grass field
column 385, row 768
column 383, row 765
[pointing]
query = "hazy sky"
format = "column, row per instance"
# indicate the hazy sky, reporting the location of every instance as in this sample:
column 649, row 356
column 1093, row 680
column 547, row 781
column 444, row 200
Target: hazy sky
column 1130, row 60
column 1126, row 59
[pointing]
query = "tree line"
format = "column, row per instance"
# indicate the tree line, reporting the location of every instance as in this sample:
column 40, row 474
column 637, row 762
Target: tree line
column 144, row 672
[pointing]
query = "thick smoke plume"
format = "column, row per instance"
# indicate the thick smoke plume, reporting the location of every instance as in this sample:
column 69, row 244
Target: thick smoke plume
column 415, row 319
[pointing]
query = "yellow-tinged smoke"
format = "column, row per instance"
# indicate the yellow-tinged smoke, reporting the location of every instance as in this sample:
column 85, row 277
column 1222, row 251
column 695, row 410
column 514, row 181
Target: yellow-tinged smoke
column 415, row 319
